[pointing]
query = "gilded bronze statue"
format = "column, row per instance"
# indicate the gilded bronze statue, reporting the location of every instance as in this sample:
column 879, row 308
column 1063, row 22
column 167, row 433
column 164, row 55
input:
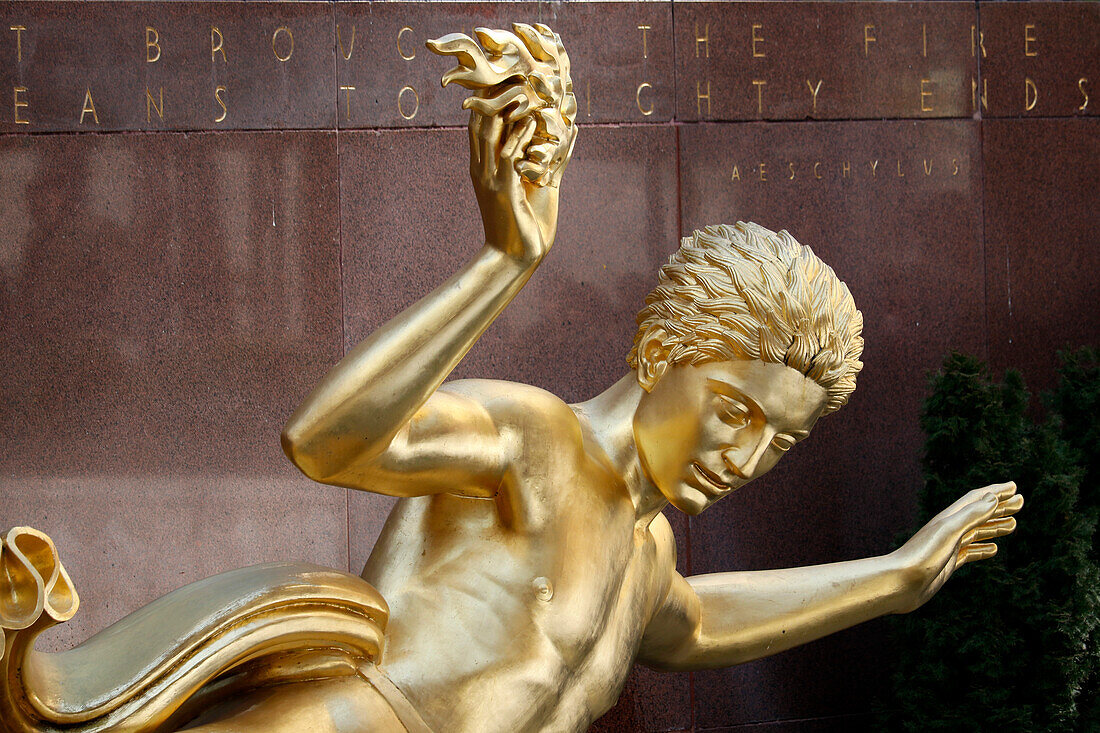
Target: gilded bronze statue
column 527, row 564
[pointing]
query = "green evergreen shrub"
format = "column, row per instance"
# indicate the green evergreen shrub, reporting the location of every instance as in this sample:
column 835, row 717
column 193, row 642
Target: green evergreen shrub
column 1005, row 645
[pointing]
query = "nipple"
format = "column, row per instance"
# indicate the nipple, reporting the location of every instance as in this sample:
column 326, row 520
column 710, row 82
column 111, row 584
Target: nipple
column 544, row 589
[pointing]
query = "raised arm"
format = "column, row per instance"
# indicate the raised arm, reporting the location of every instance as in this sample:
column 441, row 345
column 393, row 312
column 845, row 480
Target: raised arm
column 725, row 619
column 367, row 401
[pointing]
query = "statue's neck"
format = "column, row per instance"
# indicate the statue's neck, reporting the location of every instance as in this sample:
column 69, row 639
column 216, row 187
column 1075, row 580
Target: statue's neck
column 610, row 418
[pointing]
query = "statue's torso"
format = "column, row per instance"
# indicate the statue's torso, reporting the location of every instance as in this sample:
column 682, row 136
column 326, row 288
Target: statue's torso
column 522, row 613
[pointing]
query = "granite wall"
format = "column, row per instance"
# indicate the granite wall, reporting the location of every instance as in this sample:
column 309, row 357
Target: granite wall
column 206, row 203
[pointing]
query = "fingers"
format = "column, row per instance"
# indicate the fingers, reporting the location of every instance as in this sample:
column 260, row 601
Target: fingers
column 1009, row 507
column 474, row 129
column 973, row 553
column 517, row 140
column 990, row 530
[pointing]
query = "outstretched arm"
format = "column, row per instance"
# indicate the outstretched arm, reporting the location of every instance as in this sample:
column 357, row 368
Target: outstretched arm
column 725, row 619
column 367, row 401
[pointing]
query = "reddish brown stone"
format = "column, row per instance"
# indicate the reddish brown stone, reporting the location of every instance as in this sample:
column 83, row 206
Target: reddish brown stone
column 167, row 300
column 1041, row 59
column 909, row 248
column 70, row 49
column 396, row 78
column 1041, row 223
column 805, row 43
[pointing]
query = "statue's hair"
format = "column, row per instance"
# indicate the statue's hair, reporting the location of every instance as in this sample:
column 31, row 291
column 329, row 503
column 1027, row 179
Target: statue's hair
column 527, row 67
column 746, row 292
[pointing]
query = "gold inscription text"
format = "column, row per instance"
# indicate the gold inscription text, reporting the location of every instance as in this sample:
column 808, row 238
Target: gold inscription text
column 925, row 95
column 152, row 44
column 18, row 29
column 868, row 38
column 1081, row 86
column 151, row 105
column 813, row 91
column 1031, row 94
column 757, row 53
column 289, row 45
column 20, row 104
column 759, row 84
column 347, row 90
column 703, row 39
column 645, row 48
column 1030, row 38
column 415, row 102
column 217, row 43
column 700, row 96
column 218, row 92
column 340, row 42
column 638, row 99
column 407, row 56
column 89, row 106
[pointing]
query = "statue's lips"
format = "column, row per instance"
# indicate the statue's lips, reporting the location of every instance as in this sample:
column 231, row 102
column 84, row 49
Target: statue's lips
column 710, row 480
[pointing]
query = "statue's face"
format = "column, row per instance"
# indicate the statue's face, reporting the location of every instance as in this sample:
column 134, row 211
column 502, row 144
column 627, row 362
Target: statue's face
column 703, row 431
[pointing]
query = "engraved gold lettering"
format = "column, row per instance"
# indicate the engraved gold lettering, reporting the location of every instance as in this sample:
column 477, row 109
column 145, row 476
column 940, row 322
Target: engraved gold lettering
column 845, row 169
column 638, row 99
column 817, row 170
column 217, row 43
column 699, row 97
column 974, row 94
column 874, row 169
column 925, row 96
column 152, row 41
column 18, row 29
column 218, row 91
column 924, row 39
column 89, row 106
column 401, row 107
column 1081, row 86
column 790, row 165
column 1031, row 94
column 763, row 173
column 736, row 176
column 900, row 174
column 759, row 84
column 813, row 91
column 977, row 41
column 645, row 49
column 150, row 105
column 1029, row 39
column 351, row 43
column 347, row 90
column 927, row 167
column 703, row 39
column 289, row 48
column 19, row 103
column 756, row 53
column 407, row 56
column 868, row 39
column 954, row 166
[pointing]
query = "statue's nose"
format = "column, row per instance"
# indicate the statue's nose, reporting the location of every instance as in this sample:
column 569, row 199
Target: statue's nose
column 745, row 469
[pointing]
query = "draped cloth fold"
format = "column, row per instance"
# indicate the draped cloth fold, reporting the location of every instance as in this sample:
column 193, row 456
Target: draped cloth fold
column 160, row 666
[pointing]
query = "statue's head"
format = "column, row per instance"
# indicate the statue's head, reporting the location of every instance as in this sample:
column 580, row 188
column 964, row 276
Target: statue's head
column 746, row 341
column 518, row 74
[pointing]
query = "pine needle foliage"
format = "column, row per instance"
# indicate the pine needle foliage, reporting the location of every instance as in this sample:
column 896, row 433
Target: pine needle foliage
column 1008, row 643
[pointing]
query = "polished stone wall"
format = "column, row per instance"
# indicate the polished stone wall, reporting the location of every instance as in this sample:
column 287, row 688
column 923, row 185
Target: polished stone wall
column 206, row 203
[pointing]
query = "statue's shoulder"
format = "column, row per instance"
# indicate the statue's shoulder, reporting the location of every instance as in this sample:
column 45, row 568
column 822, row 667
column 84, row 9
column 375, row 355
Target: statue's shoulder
column 516, row 404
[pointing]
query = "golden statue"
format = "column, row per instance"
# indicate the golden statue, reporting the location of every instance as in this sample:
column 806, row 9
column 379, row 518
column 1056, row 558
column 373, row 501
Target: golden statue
column 527, row 564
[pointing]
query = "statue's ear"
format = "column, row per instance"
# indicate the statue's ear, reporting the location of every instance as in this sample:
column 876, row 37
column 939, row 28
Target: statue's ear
column 652, row 357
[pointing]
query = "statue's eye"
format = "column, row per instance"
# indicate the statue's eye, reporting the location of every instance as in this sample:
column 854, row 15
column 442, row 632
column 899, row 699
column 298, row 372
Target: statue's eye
column 783, row 442
column 733, row 412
